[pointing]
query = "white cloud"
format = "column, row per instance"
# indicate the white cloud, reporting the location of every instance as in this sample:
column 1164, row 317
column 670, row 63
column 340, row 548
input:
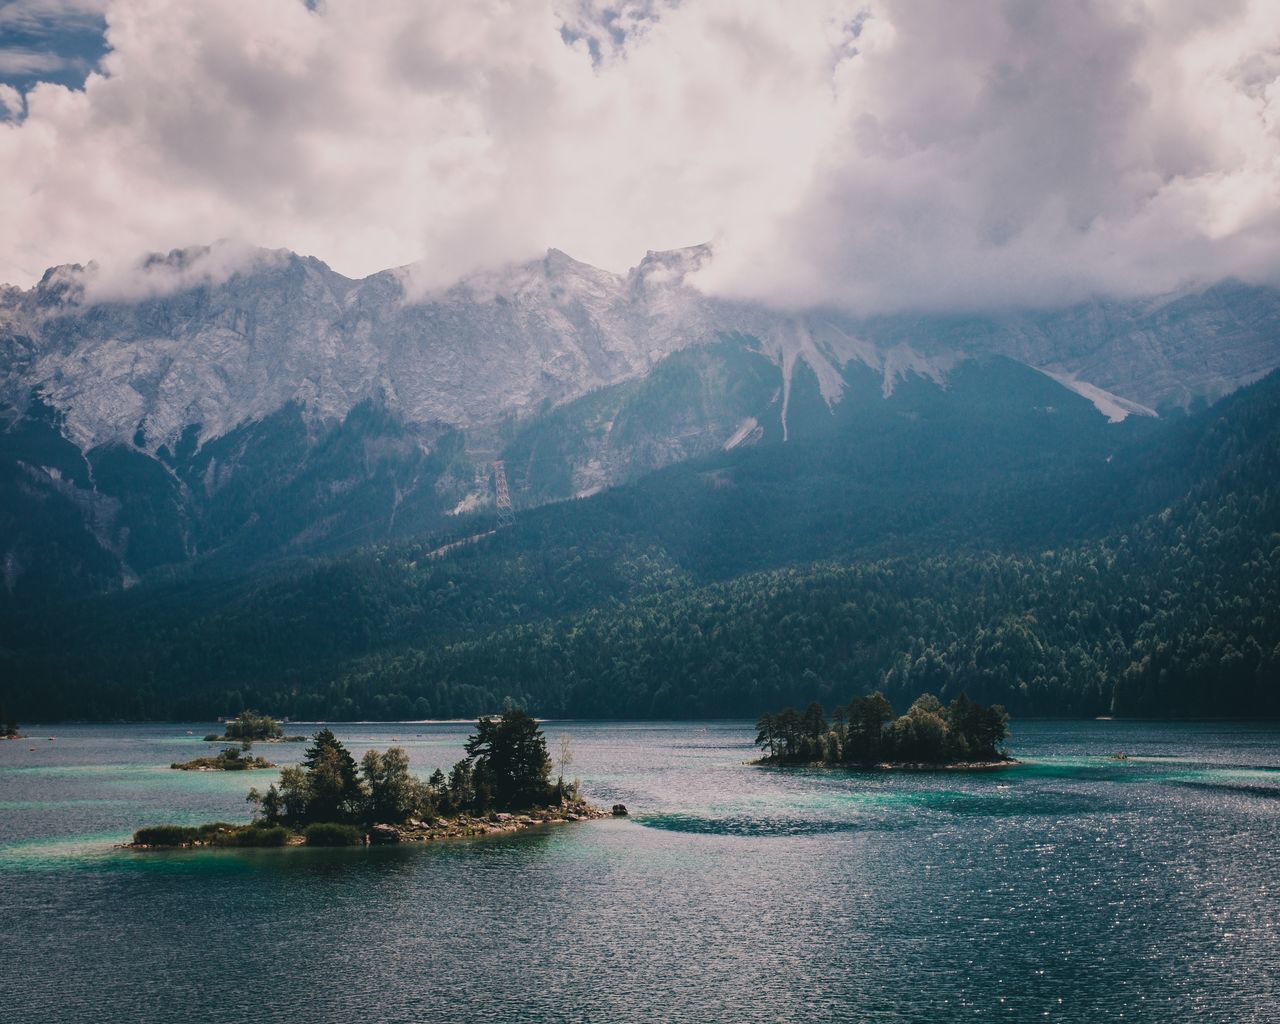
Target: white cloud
column 1032, row 153
column 11, row 105
column 163, row 274
column 905, row 154
column 20, row 60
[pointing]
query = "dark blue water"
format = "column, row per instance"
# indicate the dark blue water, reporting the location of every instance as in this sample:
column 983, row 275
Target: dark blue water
column 1073, row 888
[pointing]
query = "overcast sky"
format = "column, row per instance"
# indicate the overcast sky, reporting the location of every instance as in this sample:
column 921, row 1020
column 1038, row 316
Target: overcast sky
column 872, row 156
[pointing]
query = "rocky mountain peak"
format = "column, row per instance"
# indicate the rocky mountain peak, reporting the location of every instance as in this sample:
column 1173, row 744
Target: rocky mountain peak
column 225, row 334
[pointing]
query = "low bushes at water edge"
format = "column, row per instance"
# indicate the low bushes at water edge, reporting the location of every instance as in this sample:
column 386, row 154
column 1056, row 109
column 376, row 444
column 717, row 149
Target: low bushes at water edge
column 255, row 835
column 215, row 834
column 330, row 833
column 165, row 835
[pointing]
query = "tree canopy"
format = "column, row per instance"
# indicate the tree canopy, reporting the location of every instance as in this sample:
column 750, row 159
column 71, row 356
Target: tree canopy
column 249, row 725
column 865, row 732
column 506, row 768
column 511, row 761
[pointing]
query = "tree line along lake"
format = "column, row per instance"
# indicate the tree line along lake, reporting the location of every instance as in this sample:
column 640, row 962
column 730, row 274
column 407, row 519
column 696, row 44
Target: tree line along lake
column 1073, row 886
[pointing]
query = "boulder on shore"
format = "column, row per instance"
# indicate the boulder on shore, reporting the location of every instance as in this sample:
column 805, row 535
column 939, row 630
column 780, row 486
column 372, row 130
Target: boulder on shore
column 380, row 834
column 619, row 810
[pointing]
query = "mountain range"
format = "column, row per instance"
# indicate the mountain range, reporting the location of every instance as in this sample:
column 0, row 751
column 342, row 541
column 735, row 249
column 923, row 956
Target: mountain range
column 222, row 407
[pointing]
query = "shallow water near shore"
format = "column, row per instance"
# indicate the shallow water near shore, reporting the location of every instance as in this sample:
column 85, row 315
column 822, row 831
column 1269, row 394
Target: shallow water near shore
column 1072, row 887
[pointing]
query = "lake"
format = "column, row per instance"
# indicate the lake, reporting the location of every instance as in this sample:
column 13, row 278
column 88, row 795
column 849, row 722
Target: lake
column 1074, row 887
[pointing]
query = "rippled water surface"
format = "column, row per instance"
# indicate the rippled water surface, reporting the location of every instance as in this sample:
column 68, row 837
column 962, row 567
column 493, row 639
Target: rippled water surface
column 1073, row 887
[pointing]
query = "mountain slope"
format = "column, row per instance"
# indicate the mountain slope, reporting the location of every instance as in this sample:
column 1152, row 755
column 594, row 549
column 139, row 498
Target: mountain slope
column 1140, row 579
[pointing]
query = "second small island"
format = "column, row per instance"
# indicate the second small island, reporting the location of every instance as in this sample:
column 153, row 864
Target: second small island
column 251, row 727
column 865, row 733
column 231, row 759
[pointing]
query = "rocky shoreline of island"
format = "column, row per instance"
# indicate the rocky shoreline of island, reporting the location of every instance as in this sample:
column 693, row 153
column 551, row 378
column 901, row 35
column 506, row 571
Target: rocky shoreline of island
column 230, row 759
column 323, row 834
column 896, row 766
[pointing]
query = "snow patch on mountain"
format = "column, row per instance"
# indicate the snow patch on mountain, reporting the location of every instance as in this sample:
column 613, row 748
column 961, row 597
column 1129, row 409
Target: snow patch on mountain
column 470, row 503
column 747, row 432
column 1113, row 407
column 902, row 360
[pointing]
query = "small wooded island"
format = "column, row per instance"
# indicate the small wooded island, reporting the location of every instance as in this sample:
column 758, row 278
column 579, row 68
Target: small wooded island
column 865, row 733
column 503, row 784
column 251, row 727
column 231, row 759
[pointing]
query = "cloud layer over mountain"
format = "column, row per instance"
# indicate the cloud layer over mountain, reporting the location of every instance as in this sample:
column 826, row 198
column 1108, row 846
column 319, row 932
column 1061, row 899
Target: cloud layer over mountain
column 873, row 156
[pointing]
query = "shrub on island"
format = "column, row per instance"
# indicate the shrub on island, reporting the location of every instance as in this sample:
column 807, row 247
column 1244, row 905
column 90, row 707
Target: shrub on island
column 165, row 835
column 255, row 835
column 332, row 833
column 218, row 833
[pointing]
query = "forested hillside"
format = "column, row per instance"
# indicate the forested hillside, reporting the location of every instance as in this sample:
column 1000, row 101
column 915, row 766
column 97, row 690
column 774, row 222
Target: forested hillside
column 1139, row 580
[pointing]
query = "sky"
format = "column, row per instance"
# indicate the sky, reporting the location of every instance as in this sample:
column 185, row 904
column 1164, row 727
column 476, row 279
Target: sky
column 869, row 156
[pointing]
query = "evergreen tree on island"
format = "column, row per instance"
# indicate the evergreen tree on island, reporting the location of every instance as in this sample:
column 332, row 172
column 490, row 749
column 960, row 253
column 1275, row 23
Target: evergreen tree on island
column 506, row 768
column 511, row 761
column 334, row 789
column 328, row 800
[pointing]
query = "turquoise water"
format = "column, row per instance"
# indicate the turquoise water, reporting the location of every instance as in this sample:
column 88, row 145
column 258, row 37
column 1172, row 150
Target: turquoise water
column 1071, row 888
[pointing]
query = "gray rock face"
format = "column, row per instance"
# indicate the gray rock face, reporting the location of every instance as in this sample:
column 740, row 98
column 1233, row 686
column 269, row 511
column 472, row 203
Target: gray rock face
column 222, row 352
column 287, row 328
column 1166, row 352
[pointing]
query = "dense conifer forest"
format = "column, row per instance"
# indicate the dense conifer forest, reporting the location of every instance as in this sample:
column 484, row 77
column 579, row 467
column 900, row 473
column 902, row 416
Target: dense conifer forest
column 1144, row 582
